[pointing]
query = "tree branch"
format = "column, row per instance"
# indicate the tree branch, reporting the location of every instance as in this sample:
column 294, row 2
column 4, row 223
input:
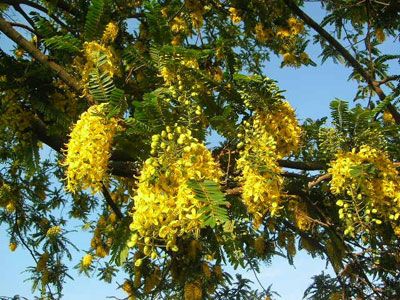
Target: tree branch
column 15, row 36
column 25, row 2
column 300, row 165
column 319, row 179
column 26, row 27
column 24, row 15
column 388, row 79
column 111, row 203
column 346, row 55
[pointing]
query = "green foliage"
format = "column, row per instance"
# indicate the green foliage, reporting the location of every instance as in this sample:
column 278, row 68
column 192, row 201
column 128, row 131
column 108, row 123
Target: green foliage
column 94, row 24
column 67, row 43
column 188, row 64
column 214, row 213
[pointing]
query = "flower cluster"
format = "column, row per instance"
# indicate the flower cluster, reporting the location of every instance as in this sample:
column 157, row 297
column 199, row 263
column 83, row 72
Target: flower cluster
column 262, row 34
column 165, row 205
column 261, row 181
column 99, row 56
column 110, row 33
column 93, row 52
column 53, row 231
column 268, row 136
column 367, row 182
column 281, row 123
column 87, row 261
column 193, row 291
column 234, row 14
column 197, row 10
column 88, row 149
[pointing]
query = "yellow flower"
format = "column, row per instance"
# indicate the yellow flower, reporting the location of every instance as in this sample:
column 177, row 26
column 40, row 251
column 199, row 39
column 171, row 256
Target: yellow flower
column 178, row 25
column 10, row 207
column 234, row 15
column 262, row 34
column 12, row 246
column 165, row 205
column 193, row 291
column 87, row 260
column 380, row 35
column 42, row 262
column 88, row 150
column 296, row 26
column 269, row 136
column 110, row 33
column 93, row 52
column 388, row 118
column 53, row 231
column 367, row 178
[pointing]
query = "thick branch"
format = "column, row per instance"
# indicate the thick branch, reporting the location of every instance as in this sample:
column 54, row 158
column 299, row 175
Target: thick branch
column 24, row 15
column 15, row 36
column 346, row 55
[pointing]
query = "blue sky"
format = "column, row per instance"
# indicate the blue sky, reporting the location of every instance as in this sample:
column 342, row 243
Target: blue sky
column 309, row 90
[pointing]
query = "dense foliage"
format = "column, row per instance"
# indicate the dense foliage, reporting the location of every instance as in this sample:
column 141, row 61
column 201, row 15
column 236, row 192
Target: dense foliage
column 126, row 92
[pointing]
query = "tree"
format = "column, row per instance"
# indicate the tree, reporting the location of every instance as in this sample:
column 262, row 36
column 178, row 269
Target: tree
column 125, row 91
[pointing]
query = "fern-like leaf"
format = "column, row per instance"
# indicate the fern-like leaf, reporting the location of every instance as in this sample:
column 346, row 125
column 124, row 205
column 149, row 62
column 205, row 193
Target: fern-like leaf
column 208, row 192
column 93, row 19
column 101, row 85
column 66, row 43
column 340, row 113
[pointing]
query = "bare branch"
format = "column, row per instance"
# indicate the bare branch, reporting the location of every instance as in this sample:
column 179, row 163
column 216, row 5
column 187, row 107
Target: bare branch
column 319, row 179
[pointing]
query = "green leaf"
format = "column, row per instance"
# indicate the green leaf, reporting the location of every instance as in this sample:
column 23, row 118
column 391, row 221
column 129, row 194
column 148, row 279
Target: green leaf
column 66, row 43
column 214, row 212
column 93, row 19
column 101, row 85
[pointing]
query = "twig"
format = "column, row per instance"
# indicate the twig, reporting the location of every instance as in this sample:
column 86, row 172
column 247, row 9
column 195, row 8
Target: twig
column 387, row 79
column 319, row 179
column 26, row 27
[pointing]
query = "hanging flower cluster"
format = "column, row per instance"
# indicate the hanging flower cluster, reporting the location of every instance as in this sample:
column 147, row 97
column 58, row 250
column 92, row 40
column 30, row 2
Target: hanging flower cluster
column 282, row 125
column 99, row 56
column 165, row 205
column 88, row 150
column 110, row 33
column 268, row 137
column 367, row 181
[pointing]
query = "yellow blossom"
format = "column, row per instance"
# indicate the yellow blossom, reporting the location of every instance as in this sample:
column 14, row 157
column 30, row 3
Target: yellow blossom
column 53, row 231
column 380, row 35
column 262, row 34
column 12, row 246
column 88, row 150
column 193, row 291
column 165, row 205
column 234, row 15
column 365, row 178
column 178, row 25
column 273, row 133
column 87, row 260
column 110, row 33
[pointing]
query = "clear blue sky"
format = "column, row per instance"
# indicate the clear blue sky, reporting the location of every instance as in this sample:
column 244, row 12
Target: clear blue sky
column 309, row 90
